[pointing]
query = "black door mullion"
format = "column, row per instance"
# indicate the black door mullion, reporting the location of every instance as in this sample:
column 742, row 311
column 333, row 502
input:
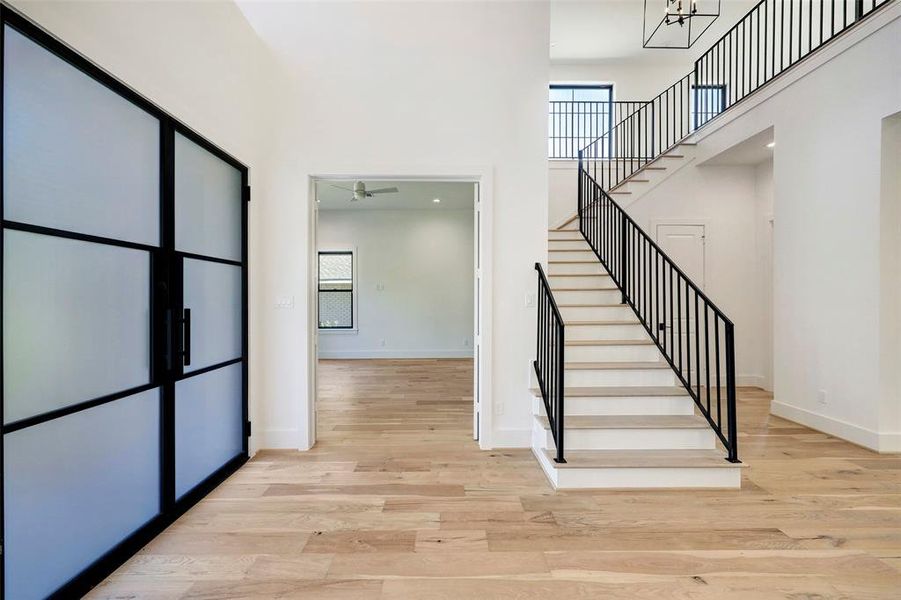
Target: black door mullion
column 168, row 282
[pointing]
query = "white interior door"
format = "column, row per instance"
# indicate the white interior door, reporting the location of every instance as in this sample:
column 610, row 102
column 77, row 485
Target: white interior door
column 684, row 243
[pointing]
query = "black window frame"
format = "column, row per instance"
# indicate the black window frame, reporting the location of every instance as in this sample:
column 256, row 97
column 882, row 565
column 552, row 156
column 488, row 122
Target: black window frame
column 567, row 147
column 351, row 291
column 696, row 104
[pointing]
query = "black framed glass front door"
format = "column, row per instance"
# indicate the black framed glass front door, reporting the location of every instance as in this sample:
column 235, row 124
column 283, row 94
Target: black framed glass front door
column 124, row 323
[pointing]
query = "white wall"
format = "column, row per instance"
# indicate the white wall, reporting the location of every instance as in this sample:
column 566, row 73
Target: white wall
column 631, row 81
column 890, row 289
column 404, row 88
column 731, row 203
column 414, row 287
column 829, row 267
column 351, row 88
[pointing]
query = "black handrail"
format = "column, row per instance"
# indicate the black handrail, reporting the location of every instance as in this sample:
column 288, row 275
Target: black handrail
column 549, row 365
column 670, row 306
column 772, row 37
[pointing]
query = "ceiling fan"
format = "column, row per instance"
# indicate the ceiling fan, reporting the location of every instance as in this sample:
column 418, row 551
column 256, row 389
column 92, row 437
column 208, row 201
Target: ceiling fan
column 359, row 191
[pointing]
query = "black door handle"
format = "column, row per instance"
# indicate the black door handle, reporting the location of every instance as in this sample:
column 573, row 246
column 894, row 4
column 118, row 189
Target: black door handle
column 186, row 337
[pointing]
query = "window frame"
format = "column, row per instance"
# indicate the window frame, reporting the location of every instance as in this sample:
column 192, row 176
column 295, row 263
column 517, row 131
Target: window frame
column 697, row 90
column 554, row 146
column 354, row 327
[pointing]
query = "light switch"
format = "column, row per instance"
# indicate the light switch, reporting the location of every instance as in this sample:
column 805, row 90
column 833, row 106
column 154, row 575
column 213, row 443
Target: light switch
column 284, row 302
column 530, row 299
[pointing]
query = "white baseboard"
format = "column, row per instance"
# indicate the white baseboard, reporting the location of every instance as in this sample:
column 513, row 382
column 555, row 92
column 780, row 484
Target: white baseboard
column 872, row 440
column 362, row 354
column 281, row 439
column 511, row 438
column 750, row 381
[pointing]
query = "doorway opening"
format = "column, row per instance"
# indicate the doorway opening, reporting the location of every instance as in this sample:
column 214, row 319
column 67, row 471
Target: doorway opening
column 397, row 309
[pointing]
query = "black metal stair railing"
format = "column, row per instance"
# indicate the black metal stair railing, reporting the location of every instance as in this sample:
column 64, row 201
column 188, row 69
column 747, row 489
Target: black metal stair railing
column 574, row 123
column 694, row 336
column 548, row 364
column 772, row 37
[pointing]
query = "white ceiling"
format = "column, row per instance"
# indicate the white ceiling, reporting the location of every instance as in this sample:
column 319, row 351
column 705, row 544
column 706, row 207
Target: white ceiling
column 411, row 195
column 752, row 151
column 599, row 31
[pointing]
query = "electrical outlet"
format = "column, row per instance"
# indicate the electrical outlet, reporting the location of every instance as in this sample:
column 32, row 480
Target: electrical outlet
column 466, row 343
column 381, row 342
column 530, row 299
column 821, row 397
column 498, row 408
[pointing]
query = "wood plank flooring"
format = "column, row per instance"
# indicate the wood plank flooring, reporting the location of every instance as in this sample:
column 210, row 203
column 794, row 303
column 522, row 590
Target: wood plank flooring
column 397, row 502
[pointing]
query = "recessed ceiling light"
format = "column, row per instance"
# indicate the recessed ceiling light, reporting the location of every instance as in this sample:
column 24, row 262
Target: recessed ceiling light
column 436, row 200
column 771, row 145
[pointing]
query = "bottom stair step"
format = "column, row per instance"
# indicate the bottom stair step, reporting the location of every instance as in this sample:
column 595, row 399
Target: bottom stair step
column 640, row 469
column 644, row 459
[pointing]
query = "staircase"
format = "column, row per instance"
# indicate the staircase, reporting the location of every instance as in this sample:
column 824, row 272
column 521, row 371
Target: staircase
column 629, row 422
column 633, row 381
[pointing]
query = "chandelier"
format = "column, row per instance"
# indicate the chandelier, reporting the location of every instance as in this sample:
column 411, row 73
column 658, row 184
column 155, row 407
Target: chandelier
column 683, row 22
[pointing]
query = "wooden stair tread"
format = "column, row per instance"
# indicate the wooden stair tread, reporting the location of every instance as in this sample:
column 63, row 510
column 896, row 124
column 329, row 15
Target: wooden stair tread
column 642, row 459
column 589, row 261
column 671, row 156
column 592, row 305
column 645, row 342
column 571, row 250
column 579, row 274
column 629, row 422
column 608, row 322
column 615, row 365
column 586, row 289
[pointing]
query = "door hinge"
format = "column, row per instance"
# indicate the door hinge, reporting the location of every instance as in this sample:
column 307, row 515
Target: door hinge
column 246, row 193
column 246, row 428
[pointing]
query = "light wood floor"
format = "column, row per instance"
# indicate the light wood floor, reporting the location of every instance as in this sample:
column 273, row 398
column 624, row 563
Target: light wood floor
column 397, row 502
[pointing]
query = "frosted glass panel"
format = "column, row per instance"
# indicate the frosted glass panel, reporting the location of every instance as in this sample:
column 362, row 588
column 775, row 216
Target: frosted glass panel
column 213, row 293
column 75, row 487
column 207, row 202
column 75, row 321
column 208, row 424
column 76, row 155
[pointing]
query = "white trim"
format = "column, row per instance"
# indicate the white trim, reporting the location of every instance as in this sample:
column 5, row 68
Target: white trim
column 400, row 354
column 873, row 440
column 281, row 438
column 512, row 438
column 484, row 176
column 757, row 381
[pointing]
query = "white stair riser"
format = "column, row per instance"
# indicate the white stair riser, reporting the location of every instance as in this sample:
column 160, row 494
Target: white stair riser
column 588, row 268
column 588, row 281
column 644, row 352
column 634, row 439
column 568, row 244
column 606, row 332
column 621, row 405
column 557, row 234
column 585, row 254
column 588, row 296
column 645, row 477
column 617, row 377
column 617, row 312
